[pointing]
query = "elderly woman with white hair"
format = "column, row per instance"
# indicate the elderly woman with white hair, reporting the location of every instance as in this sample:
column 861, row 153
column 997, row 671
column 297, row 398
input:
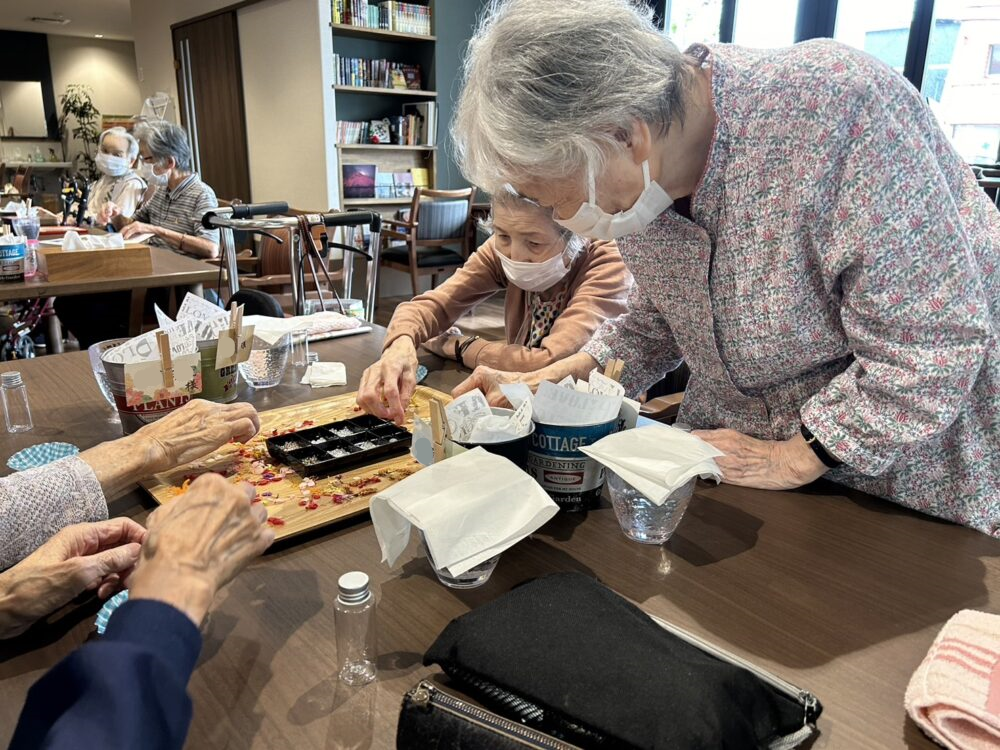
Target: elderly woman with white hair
column 119, row 189
column 559, row 287
column 802, row 234
column 173, row 214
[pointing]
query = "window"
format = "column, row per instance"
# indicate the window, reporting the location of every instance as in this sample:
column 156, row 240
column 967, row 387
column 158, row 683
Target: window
column 765, row 23
column 693, row 21
column 881, row 29
column 961, row 80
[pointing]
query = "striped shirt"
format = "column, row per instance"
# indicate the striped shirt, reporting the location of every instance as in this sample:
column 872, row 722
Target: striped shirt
column 180, row 209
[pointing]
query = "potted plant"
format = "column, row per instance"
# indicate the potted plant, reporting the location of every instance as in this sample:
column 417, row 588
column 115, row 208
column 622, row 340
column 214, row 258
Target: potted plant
column 77, row 102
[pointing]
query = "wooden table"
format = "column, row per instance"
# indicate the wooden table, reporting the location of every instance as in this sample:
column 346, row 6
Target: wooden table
column 170, row 269
column 835, row 591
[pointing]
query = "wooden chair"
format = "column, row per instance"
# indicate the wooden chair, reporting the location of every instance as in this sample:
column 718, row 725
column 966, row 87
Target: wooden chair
column 22, row 181
column 421, row 243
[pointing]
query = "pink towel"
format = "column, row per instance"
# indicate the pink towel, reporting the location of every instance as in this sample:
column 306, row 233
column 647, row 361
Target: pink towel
column 955, row 693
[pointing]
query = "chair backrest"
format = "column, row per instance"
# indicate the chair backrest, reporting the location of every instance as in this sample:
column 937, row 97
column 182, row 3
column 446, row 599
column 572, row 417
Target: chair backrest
column 22, row 180
column 442, row 214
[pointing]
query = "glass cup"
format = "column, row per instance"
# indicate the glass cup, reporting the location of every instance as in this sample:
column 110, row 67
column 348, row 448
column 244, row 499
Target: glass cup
column 27, row 226
column 642, row 520
column 97, row 365
column 266, row 366
column 470, row 579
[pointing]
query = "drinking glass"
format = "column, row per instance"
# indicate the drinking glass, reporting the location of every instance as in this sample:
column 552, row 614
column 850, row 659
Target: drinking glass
column 642, row 520
column 470, row 579
column 266, row 366
column 97, row 365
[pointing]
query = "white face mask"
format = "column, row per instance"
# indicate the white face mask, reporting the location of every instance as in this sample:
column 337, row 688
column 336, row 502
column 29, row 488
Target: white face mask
column 593, row 222
column 147, row 173
column 111, row 165
column 535, row 277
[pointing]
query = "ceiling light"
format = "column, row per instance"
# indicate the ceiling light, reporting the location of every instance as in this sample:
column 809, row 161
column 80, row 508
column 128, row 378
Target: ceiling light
column 98, row 36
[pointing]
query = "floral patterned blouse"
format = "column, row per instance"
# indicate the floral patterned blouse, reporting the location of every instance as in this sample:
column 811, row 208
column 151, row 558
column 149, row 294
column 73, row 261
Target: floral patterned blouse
column 842, row 269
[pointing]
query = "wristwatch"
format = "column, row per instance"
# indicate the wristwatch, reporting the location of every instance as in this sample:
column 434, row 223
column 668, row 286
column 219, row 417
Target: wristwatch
column 828, row 460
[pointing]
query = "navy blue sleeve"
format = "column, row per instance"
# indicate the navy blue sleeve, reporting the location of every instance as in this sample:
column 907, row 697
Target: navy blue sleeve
column 126, row 690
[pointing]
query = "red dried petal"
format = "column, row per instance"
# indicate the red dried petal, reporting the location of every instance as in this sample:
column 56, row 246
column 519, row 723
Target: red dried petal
column 274, row 521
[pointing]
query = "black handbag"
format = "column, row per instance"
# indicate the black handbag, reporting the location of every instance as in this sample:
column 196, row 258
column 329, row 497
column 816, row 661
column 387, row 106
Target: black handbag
column 569, row 658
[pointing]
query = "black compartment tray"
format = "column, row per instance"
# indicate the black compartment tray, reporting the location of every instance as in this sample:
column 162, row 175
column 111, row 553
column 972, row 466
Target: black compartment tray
column 332, row 448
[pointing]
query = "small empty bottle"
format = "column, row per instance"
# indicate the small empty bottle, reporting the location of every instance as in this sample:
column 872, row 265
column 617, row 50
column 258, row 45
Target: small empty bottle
column 354, row 618
column 16, row 410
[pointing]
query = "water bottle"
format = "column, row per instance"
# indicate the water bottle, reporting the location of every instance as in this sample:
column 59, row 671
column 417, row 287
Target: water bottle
column 354, row 617
column 17, row 413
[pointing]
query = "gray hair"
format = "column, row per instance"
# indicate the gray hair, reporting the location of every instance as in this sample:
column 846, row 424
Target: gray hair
column 552, row 87
column 165, row 140
column 574, row 242
column 120, row 132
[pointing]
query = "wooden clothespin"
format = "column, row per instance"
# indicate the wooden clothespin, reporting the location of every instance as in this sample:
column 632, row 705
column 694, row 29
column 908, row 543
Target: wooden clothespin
column 236, row 322
column 166, row 360
column 613, row 369
column 439, row 429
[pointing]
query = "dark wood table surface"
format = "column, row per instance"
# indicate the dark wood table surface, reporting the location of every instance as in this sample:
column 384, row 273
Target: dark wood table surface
column 835, row 591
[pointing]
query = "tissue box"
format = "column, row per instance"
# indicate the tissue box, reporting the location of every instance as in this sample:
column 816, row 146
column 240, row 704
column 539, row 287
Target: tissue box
column 94, row 265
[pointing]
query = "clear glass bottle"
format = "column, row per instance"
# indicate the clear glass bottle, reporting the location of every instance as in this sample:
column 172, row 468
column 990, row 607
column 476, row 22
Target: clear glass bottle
column 354, row 616
column 16, row 410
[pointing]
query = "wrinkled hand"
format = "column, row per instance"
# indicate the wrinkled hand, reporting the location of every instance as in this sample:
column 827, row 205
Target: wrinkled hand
column 137, row 227
column 78, row 558
column 764, row 464
column 388, row 385
column 196, row 429
column 198, row 543
column 443, row 345
column 489, row 381
column 107, row 212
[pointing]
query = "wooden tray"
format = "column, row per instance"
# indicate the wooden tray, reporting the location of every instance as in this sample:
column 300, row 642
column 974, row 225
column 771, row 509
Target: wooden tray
column 293, row 509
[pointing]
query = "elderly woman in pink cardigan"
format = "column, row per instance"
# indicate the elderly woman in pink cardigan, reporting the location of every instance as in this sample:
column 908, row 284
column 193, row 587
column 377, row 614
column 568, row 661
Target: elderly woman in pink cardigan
column 801, row 232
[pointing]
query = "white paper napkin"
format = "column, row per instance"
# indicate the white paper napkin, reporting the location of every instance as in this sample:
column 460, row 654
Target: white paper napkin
column 269, row 330
column 325, row 374
column 74, row 241
column 470, row 508
column 656, row 459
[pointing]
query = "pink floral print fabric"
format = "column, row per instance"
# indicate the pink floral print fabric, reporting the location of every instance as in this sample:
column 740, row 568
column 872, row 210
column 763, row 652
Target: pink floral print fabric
column 842, row 270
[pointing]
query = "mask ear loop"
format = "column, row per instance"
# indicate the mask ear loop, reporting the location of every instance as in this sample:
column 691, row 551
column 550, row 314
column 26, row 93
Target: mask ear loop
column 645, row 173
column 592, row 184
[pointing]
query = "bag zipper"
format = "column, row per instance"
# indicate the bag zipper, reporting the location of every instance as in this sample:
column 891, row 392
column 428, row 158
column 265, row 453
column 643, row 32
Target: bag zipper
column 808, row 701
column 425, row 694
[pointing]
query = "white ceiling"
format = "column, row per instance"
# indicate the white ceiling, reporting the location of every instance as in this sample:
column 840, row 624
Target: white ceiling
column 112, row 18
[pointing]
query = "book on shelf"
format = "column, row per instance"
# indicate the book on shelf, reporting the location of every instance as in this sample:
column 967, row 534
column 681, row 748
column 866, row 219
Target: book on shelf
column 359, row 180
column 403, row 182
column 384, row 185
column 421, row 177
column 379, row 74
column 353, row 132
column 424, row 116
column 384, row 15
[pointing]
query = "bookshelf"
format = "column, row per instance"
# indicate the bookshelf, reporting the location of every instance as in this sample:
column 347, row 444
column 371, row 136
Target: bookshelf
column 361, row 104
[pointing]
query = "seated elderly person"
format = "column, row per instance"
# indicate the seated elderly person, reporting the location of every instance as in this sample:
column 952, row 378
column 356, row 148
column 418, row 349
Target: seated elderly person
column 136, row 675
column 173, row 214
column 119, row 187
column 128, row 689
column 37, row 503
column 559, row 289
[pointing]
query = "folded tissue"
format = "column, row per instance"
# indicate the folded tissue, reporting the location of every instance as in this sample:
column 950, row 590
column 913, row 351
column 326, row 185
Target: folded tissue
column 656, row 460
column 470, row 508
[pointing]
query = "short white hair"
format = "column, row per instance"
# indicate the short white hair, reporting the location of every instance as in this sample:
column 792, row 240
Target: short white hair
column 165, row 140
column 551, row 87
column 120, row 132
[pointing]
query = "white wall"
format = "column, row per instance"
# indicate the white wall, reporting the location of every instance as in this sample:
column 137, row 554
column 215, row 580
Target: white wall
column 286, row 89
column 108, row 67
column 154, row 52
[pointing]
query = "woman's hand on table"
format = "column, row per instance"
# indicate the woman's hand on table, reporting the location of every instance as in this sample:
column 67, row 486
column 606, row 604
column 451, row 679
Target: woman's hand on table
column 764, row 464
column 196, row 429
column 198, row 543
column 443, row 345
column 388, row 385
column 137, row 227
column 78, row 558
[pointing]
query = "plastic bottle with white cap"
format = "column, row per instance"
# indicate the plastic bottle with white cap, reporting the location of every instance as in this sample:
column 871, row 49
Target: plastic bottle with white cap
column 17, row 412
column 354, row 618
